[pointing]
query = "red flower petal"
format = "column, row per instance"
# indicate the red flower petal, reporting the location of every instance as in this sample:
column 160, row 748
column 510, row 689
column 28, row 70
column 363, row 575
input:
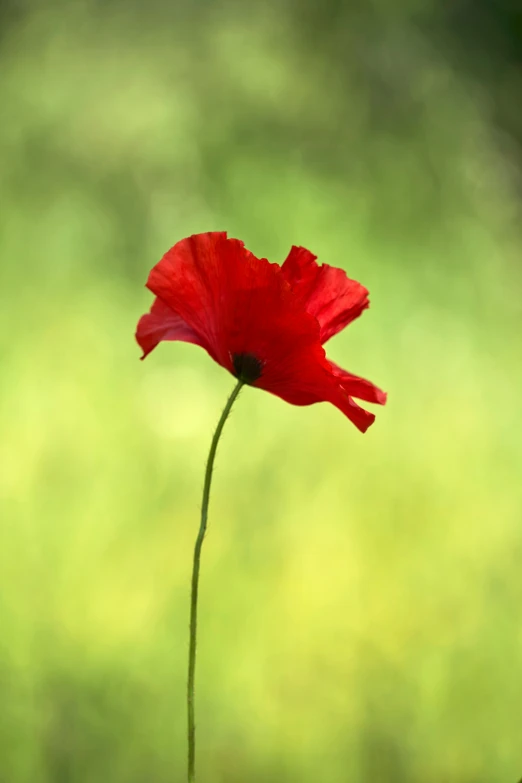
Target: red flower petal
column 185, row 280
column 358, row 387
column 357, row 415
column 162, row 323
column 324, row 291
column 307, row 377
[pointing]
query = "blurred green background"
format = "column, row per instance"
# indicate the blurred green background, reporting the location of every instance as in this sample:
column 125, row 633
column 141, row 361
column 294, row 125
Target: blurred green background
column 361, row 596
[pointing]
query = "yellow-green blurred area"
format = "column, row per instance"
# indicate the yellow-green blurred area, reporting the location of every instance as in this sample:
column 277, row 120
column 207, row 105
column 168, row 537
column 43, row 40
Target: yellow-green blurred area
column 361, row 596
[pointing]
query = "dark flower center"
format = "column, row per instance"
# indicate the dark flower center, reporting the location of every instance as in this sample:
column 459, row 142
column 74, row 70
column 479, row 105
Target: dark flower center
column 247, row 367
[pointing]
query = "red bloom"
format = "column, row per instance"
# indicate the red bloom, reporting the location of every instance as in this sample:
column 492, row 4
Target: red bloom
column 264, row 323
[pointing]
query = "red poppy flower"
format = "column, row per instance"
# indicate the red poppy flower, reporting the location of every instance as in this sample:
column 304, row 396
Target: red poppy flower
column 264, row 323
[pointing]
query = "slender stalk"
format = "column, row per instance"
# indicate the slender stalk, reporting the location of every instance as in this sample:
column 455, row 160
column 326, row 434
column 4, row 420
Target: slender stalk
column 195, row 585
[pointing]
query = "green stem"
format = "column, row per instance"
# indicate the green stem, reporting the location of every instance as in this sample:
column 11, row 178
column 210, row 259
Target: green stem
column 195, row 585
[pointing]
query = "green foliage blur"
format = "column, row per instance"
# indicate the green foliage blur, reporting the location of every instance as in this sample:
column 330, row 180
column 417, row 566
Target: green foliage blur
column 361, row 595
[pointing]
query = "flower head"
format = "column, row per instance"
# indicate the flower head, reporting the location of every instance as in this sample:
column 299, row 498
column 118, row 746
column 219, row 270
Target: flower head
column 264, row 323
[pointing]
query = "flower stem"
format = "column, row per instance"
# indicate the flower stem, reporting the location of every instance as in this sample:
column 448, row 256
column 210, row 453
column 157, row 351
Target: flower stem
column 195, row 585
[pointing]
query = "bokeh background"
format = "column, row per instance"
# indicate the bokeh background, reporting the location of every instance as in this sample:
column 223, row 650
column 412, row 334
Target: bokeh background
column 361, row 597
